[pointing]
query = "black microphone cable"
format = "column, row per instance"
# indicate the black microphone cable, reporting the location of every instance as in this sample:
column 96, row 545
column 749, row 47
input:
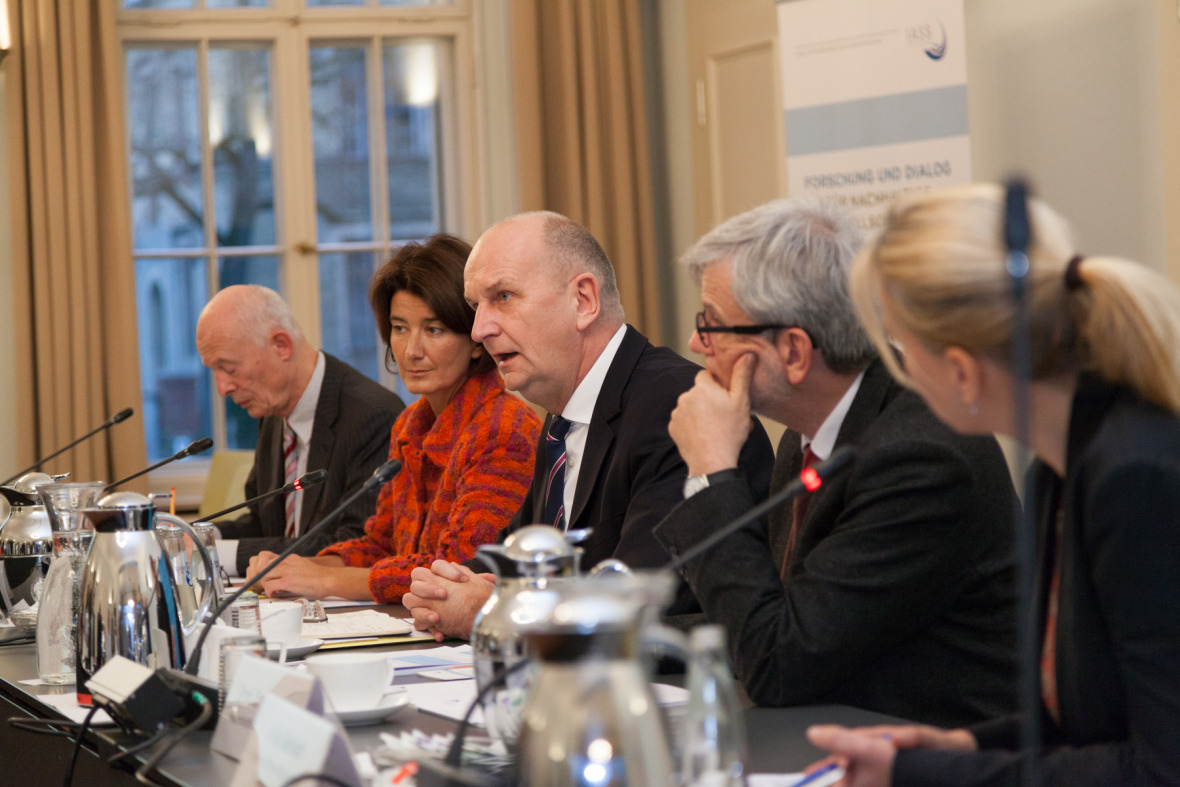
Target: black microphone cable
column 149, row 765
column 380, row 476
column 69, row 777
column 118, row 417
column 808, row 481
column 195, row 447
column 302, row 482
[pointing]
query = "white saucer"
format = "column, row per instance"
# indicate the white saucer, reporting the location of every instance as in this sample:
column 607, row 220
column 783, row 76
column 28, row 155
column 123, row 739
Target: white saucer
column 391, row 702
column 296, row 650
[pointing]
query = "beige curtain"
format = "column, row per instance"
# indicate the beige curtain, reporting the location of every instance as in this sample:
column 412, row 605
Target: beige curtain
column 73, row 281
column 579, row 81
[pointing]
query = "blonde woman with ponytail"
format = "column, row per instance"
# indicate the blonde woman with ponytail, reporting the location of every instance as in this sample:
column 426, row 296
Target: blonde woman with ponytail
column 935, row 297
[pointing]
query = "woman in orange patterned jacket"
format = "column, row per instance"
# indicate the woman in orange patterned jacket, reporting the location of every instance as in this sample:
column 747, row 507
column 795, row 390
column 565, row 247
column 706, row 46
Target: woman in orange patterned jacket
column 466, row 445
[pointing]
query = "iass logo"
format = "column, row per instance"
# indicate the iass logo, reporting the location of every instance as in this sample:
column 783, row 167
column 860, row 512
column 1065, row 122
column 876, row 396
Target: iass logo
column 930, row 37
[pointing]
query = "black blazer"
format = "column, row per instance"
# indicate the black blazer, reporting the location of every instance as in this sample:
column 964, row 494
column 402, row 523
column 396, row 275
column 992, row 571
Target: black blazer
column 1118, row 621
column 900, row 597
column 632, row 474
column 350, row 439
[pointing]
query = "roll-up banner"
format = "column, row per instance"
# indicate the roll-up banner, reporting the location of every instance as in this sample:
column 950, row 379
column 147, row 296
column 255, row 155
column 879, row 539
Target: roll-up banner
column 875, row 95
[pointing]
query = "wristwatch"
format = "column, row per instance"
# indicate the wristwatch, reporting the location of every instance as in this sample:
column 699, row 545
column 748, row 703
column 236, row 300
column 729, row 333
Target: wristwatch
column 695, row 483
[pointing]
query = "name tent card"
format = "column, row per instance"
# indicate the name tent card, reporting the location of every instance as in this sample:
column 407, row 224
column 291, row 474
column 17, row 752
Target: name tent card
column 254, row 680
column 291, row 741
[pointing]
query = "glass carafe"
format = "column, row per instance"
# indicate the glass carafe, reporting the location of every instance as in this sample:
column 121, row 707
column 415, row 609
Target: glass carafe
column 57, row 620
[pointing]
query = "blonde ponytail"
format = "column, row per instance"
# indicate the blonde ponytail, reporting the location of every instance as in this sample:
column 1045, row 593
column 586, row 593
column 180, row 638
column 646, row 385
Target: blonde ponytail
column 939, row 262
column 1129, row 320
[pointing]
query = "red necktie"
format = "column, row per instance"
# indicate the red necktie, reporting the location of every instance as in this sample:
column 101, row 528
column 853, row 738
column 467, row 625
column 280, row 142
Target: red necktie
column 797, row 513
column 291, row 468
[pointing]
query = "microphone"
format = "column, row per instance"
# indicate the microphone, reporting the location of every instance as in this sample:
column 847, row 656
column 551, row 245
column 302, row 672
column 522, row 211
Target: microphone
column 380, row 476
column 811, row 479
column 1017, row 236
column 1017, row 229
column 195, row 447
column 122, row 415
column 302, row 482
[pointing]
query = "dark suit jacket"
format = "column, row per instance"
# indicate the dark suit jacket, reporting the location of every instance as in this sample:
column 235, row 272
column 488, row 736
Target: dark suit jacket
column 900, row 597
column 350, row 439
column 632, row 474
column 1118, row 621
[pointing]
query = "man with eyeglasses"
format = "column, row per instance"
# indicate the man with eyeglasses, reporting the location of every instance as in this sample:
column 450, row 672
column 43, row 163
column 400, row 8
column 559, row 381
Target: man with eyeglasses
column 891, row 587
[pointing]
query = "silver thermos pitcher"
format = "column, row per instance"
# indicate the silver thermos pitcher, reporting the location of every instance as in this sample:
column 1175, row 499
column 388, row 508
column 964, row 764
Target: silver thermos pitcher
column 129, row 604
column 592, row 719
column 26, row 541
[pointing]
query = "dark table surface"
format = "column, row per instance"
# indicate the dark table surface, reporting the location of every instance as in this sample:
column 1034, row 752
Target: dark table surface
column 776, row 735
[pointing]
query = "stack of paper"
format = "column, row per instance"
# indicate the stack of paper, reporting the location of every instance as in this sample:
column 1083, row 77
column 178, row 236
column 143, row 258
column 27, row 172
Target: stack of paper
column 364, row 623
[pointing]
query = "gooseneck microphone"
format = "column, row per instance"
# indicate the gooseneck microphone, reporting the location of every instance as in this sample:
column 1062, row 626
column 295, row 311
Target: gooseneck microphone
column 811, row 479
column 195, row 447
column 302, row 482
column 1017, row 236
column 380, row 476
column 122, row 415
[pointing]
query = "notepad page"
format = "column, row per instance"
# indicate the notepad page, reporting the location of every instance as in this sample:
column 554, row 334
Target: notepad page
column 363, row 623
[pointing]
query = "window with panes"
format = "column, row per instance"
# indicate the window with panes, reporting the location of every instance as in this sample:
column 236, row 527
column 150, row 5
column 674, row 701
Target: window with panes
column 289, row 143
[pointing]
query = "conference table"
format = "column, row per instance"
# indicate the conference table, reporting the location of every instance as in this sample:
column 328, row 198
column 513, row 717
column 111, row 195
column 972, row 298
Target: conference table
column 775, row 735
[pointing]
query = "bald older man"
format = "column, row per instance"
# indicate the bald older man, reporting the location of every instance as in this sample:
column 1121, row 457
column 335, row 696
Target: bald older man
column 315, row 412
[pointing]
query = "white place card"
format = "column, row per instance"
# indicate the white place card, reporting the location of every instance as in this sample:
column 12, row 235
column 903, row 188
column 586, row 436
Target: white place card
column 254, row 679
column 290, row 741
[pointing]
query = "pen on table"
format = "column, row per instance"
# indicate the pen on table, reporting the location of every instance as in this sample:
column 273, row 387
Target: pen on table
column 814, row 777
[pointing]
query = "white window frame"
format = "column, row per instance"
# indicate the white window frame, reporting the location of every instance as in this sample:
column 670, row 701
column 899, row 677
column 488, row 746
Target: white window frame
column 479, row 36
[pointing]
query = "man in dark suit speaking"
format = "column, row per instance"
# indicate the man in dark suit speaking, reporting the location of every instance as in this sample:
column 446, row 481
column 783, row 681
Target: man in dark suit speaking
column 892, row 587
column 315, row 412
column 548, row 311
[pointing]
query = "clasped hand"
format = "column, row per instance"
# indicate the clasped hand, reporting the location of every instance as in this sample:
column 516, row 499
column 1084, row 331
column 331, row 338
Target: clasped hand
column 445, row 598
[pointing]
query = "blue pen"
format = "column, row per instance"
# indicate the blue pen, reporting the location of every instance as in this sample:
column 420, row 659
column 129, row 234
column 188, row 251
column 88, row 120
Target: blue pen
column 829, row 774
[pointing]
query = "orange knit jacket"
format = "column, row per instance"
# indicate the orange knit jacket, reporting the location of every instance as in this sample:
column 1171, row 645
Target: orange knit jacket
column 464, row 476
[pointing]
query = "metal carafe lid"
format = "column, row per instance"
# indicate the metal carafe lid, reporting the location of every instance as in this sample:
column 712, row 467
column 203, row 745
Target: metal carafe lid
column 23, row 491
column 535, row 551
column 537, row 544
column 121, row 511
column 26, row 531
column 600, row 615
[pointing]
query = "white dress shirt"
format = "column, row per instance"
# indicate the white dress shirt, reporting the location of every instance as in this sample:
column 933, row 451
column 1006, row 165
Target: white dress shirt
column 578, row 411
column 824, row 441
column 302, row 421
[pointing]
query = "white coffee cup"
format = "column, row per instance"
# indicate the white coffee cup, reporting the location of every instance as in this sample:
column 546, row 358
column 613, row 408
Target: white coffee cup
column 352, row 681
column 281, row 621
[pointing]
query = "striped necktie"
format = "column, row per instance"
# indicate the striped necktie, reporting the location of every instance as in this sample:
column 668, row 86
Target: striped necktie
column 555, row 483
column 291, row 468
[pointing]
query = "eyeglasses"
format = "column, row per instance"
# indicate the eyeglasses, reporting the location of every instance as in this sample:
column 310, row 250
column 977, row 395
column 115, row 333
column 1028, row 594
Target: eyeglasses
column 704, row 329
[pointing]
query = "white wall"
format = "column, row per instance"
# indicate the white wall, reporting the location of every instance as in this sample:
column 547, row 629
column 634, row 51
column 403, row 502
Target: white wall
column 1068, row 92
column 678, row 114
column 1080, row 96
column 8, row 453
